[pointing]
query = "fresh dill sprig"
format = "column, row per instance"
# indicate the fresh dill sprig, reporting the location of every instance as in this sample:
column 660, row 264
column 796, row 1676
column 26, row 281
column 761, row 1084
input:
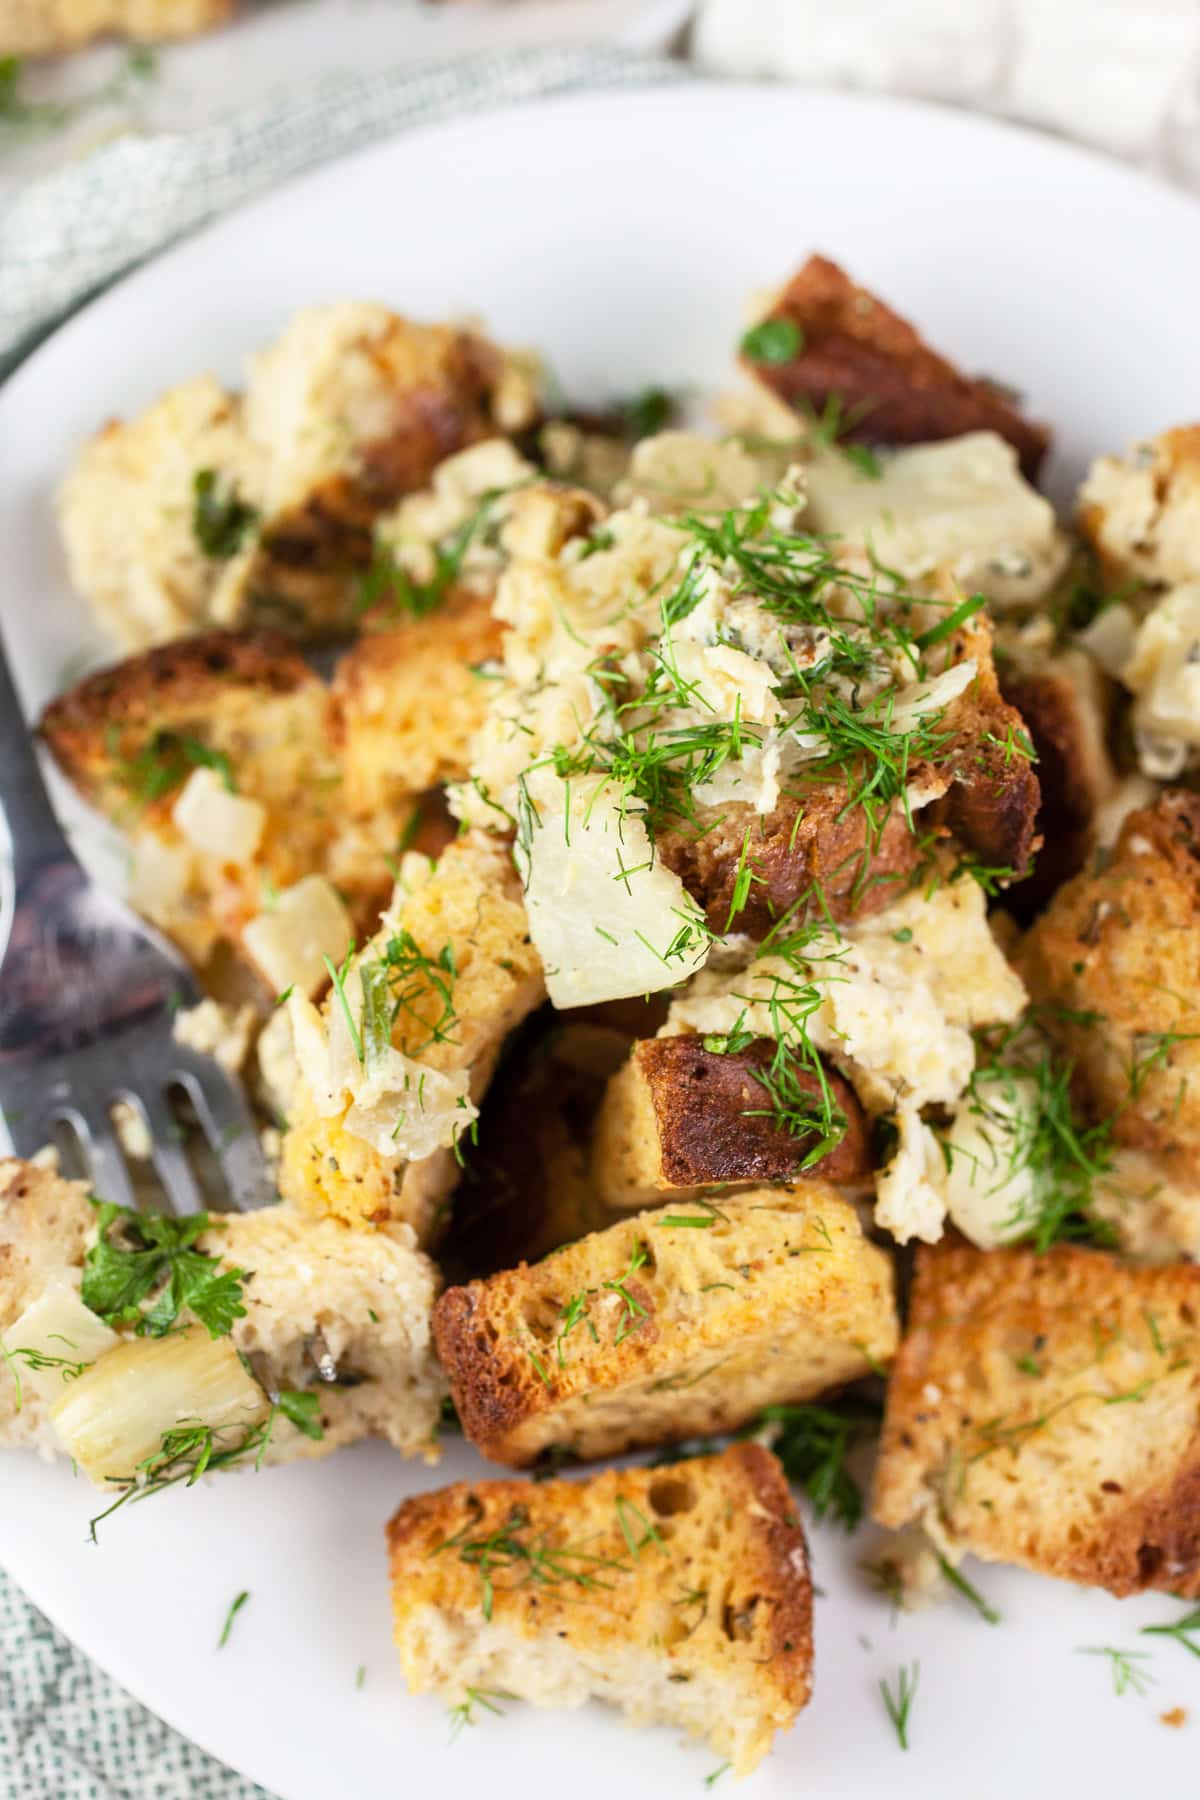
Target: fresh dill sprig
column 814, row 1443
column 961, row 1585
column 236, row 1607
column 164, row 763
column 899, row 1704
column 1127, row 1676
column 463, row 1714
column 528, row 1556
column 1181, row 1630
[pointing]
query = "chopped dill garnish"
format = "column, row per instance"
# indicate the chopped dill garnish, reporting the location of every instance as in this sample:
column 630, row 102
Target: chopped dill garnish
column 516, row 1549
column 899, row 1704
column 1127, row 1676
column 238, row 1603
column 814, row 1443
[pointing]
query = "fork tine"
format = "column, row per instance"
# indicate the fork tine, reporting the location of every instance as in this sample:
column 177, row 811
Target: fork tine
column 170, row 1154
column 110, row 1176
column 24, row 1130
column 230, row 1130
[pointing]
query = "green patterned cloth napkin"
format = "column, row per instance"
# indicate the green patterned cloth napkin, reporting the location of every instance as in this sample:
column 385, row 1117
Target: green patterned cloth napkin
column 67, row 235
column 66, row 1731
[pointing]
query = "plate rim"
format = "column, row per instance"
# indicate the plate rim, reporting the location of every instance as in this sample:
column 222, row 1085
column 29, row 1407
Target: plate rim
column 700, row 91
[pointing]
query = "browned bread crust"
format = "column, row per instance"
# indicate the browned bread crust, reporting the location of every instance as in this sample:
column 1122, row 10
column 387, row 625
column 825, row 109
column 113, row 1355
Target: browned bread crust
column 705, row 1622
column 816, row 843
column 678, row 1116
column 893, row 388
column 1065, row 704
column 442, row 379
column 682, row 1320
column 97, row 728
column 1042, row 1411
column 1115, row 963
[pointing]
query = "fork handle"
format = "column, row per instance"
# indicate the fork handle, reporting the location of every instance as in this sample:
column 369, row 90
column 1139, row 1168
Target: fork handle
column 37, row 837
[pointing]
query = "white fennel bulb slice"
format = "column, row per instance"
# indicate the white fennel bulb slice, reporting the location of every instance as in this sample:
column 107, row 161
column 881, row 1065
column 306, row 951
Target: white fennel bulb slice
column 607, row 919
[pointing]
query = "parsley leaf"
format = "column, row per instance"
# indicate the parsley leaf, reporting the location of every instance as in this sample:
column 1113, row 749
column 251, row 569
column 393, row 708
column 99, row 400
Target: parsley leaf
column 220, row 521
column 774, row 341
column 138, row 1256
column 304, row 1411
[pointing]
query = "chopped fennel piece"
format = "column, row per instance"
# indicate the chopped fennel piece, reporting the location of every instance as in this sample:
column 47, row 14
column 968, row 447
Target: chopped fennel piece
column 607, row 918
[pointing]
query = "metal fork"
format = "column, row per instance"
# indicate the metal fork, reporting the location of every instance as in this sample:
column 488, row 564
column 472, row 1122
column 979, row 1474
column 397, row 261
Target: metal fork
column 88, row 1000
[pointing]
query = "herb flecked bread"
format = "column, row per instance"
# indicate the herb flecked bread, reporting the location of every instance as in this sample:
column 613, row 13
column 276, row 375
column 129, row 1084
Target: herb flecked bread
column 257, row 509
column 683, row 1320
column 1042, row 1411
column 681, row 1596
column 678, row 1118
column 461, row 974
column 337, row 1315
column 1114, row 964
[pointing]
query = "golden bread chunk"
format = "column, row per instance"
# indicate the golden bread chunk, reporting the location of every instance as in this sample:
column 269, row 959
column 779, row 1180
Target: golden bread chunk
column 461, row 973
column 1042, row 1411
column 890, row 386
column 44, row 27
column 407, row 700
column 1066, row 705
column 683, row 1320
column 681, row 1596
column 339, row 1315
column 678, row 1118
column 1141, row 512
column 215, row 755
column 257, row 509
column 1114, row 966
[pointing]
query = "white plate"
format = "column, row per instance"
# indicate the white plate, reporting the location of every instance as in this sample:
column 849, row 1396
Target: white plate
column 620, row 232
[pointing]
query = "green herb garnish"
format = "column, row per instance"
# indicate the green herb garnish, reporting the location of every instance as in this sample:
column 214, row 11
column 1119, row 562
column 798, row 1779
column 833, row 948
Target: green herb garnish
column 141, row 1256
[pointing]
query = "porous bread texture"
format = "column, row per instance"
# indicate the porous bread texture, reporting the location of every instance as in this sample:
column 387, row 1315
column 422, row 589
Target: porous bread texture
column 407, row 700
column 682, row 1320
column 313, row 1292
column 678, row 1118
column 681, row 1596
column 350, row 408
column 472, row 904
column 1042, row 1411
column 125, row 512
column 1114, row 965
column 1141, row 512
column 42, row 27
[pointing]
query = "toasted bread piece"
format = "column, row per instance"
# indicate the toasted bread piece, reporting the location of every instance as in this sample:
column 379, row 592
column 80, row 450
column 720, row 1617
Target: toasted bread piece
column 351, row 408
column 1042, row 1411
column 127, row 512
column 678, row 1118
column 892, row 388
column 468, row 915
column 655, row 1329
column 1066, row 704
column 241, row 712
column 42, row 27
column 680, row 1595
column 1141, row 512
column 338, row 1313
column 1114, row 962
column 980, row 794
column 407, row 702
column 528, row 1188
